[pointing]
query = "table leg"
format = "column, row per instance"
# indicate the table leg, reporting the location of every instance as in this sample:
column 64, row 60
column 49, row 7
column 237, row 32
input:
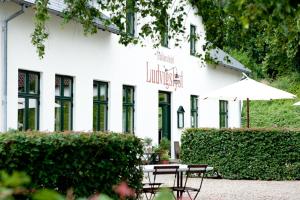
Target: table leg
column 181, row 179
column 179, row 183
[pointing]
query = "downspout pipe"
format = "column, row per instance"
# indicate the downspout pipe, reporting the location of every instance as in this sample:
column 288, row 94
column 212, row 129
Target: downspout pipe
column 4, row 52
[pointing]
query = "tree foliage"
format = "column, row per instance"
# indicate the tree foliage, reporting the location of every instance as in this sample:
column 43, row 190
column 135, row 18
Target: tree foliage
column 267, row 32
column 150, row 15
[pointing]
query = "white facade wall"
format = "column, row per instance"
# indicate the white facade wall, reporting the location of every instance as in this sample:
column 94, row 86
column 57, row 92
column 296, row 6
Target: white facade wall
column 101, row 57
column 1, row 69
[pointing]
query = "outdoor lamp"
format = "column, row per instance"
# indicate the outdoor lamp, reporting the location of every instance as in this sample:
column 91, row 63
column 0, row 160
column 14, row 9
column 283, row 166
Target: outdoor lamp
column 176, row 78
column 180, row 117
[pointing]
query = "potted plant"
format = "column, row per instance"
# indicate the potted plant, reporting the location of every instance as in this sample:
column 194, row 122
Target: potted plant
column 164, row 158
column 163, row 151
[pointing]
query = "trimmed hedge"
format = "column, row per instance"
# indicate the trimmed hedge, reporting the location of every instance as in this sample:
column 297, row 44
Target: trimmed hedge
column 87, row 162
column 257, row 154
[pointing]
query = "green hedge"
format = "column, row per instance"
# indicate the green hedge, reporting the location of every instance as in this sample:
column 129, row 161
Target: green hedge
column 258, row 154
column 88, row 163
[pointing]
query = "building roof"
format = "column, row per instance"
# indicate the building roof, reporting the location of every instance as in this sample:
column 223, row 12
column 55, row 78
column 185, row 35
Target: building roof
column 57, row 7
column 226, row 60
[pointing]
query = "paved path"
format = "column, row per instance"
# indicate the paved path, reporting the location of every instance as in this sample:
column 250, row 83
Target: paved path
column 221, row 189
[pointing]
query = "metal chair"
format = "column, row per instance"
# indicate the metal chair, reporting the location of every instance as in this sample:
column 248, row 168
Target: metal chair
column 153, row 186
column 199, row 171
column 150, row 187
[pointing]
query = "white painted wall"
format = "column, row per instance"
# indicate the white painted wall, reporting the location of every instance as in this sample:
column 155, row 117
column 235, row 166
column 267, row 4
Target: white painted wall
column 100, row 57
column 1, row 69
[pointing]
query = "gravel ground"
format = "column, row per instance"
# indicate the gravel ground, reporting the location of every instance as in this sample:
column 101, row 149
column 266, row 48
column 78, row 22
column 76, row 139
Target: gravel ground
column 216, row 189
column 221, row 189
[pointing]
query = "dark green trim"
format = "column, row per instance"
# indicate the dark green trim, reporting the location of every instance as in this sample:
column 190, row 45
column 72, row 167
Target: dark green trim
column 61, row 99
column 98, row 102
column 165, row 35
column 194, row 110
column 127, row 105
column 27, row 96
column 166, row 115
column 223, row 113
column 130, row 17
column 192, row 39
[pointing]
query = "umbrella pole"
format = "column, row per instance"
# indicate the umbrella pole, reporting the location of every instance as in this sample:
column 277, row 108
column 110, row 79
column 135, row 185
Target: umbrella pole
column 248, row 115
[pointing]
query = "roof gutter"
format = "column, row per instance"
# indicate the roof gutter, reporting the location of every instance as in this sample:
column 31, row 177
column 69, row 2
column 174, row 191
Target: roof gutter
column 4, row 64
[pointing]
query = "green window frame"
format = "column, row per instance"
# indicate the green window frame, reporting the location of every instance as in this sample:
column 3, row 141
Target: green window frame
column 100, row 106
column 128, row 109
column 165, row 33
column 63, row 103
column 194, row 111
column 130, row 17
column 223, row 110
column 192, row 40
column 28, row 100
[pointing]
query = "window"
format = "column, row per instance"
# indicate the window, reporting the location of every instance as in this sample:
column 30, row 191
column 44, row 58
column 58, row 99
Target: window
column 128, row 109
column 100, row 106
column 223, row 105
column 28, row 100
column 130, row 17
column 194, row 111
column 192, row 40
column 63, row 103
column 165, row 33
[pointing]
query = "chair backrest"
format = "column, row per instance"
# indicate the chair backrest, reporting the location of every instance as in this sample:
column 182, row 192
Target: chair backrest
column 165, row 170
column 197, row 169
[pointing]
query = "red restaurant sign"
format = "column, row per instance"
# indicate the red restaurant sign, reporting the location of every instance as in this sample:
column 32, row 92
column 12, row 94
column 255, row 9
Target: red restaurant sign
column 160, row 75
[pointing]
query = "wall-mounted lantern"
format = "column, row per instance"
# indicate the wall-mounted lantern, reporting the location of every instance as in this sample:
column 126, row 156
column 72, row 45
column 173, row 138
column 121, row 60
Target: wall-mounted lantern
column 176, row 78
column 180, row 117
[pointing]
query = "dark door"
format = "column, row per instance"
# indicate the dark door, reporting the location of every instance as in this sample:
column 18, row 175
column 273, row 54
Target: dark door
column 164, row 115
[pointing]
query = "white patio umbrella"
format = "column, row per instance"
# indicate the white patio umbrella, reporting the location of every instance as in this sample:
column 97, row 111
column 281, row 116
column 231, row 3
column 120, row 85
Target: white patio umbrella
column 248, row 89
column 21, row 104
column 32, row 104
column 297, row 104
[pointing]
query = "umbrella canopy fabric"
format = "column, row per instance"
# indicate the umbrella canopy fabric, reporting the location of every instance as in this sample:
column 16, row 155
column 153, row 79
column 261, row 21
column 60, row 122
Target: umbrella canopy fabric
column 32, row 104
column 297, row 104
column 250, row 89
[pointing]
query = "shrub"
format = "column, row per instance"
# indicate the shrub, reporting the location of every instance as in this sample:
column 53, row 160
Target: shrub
column 88, row 163
column 265, row 154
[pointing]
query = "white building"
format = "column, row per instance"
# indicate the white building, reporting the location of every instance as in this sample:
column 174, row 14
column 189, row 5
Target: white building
column 129, row 89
